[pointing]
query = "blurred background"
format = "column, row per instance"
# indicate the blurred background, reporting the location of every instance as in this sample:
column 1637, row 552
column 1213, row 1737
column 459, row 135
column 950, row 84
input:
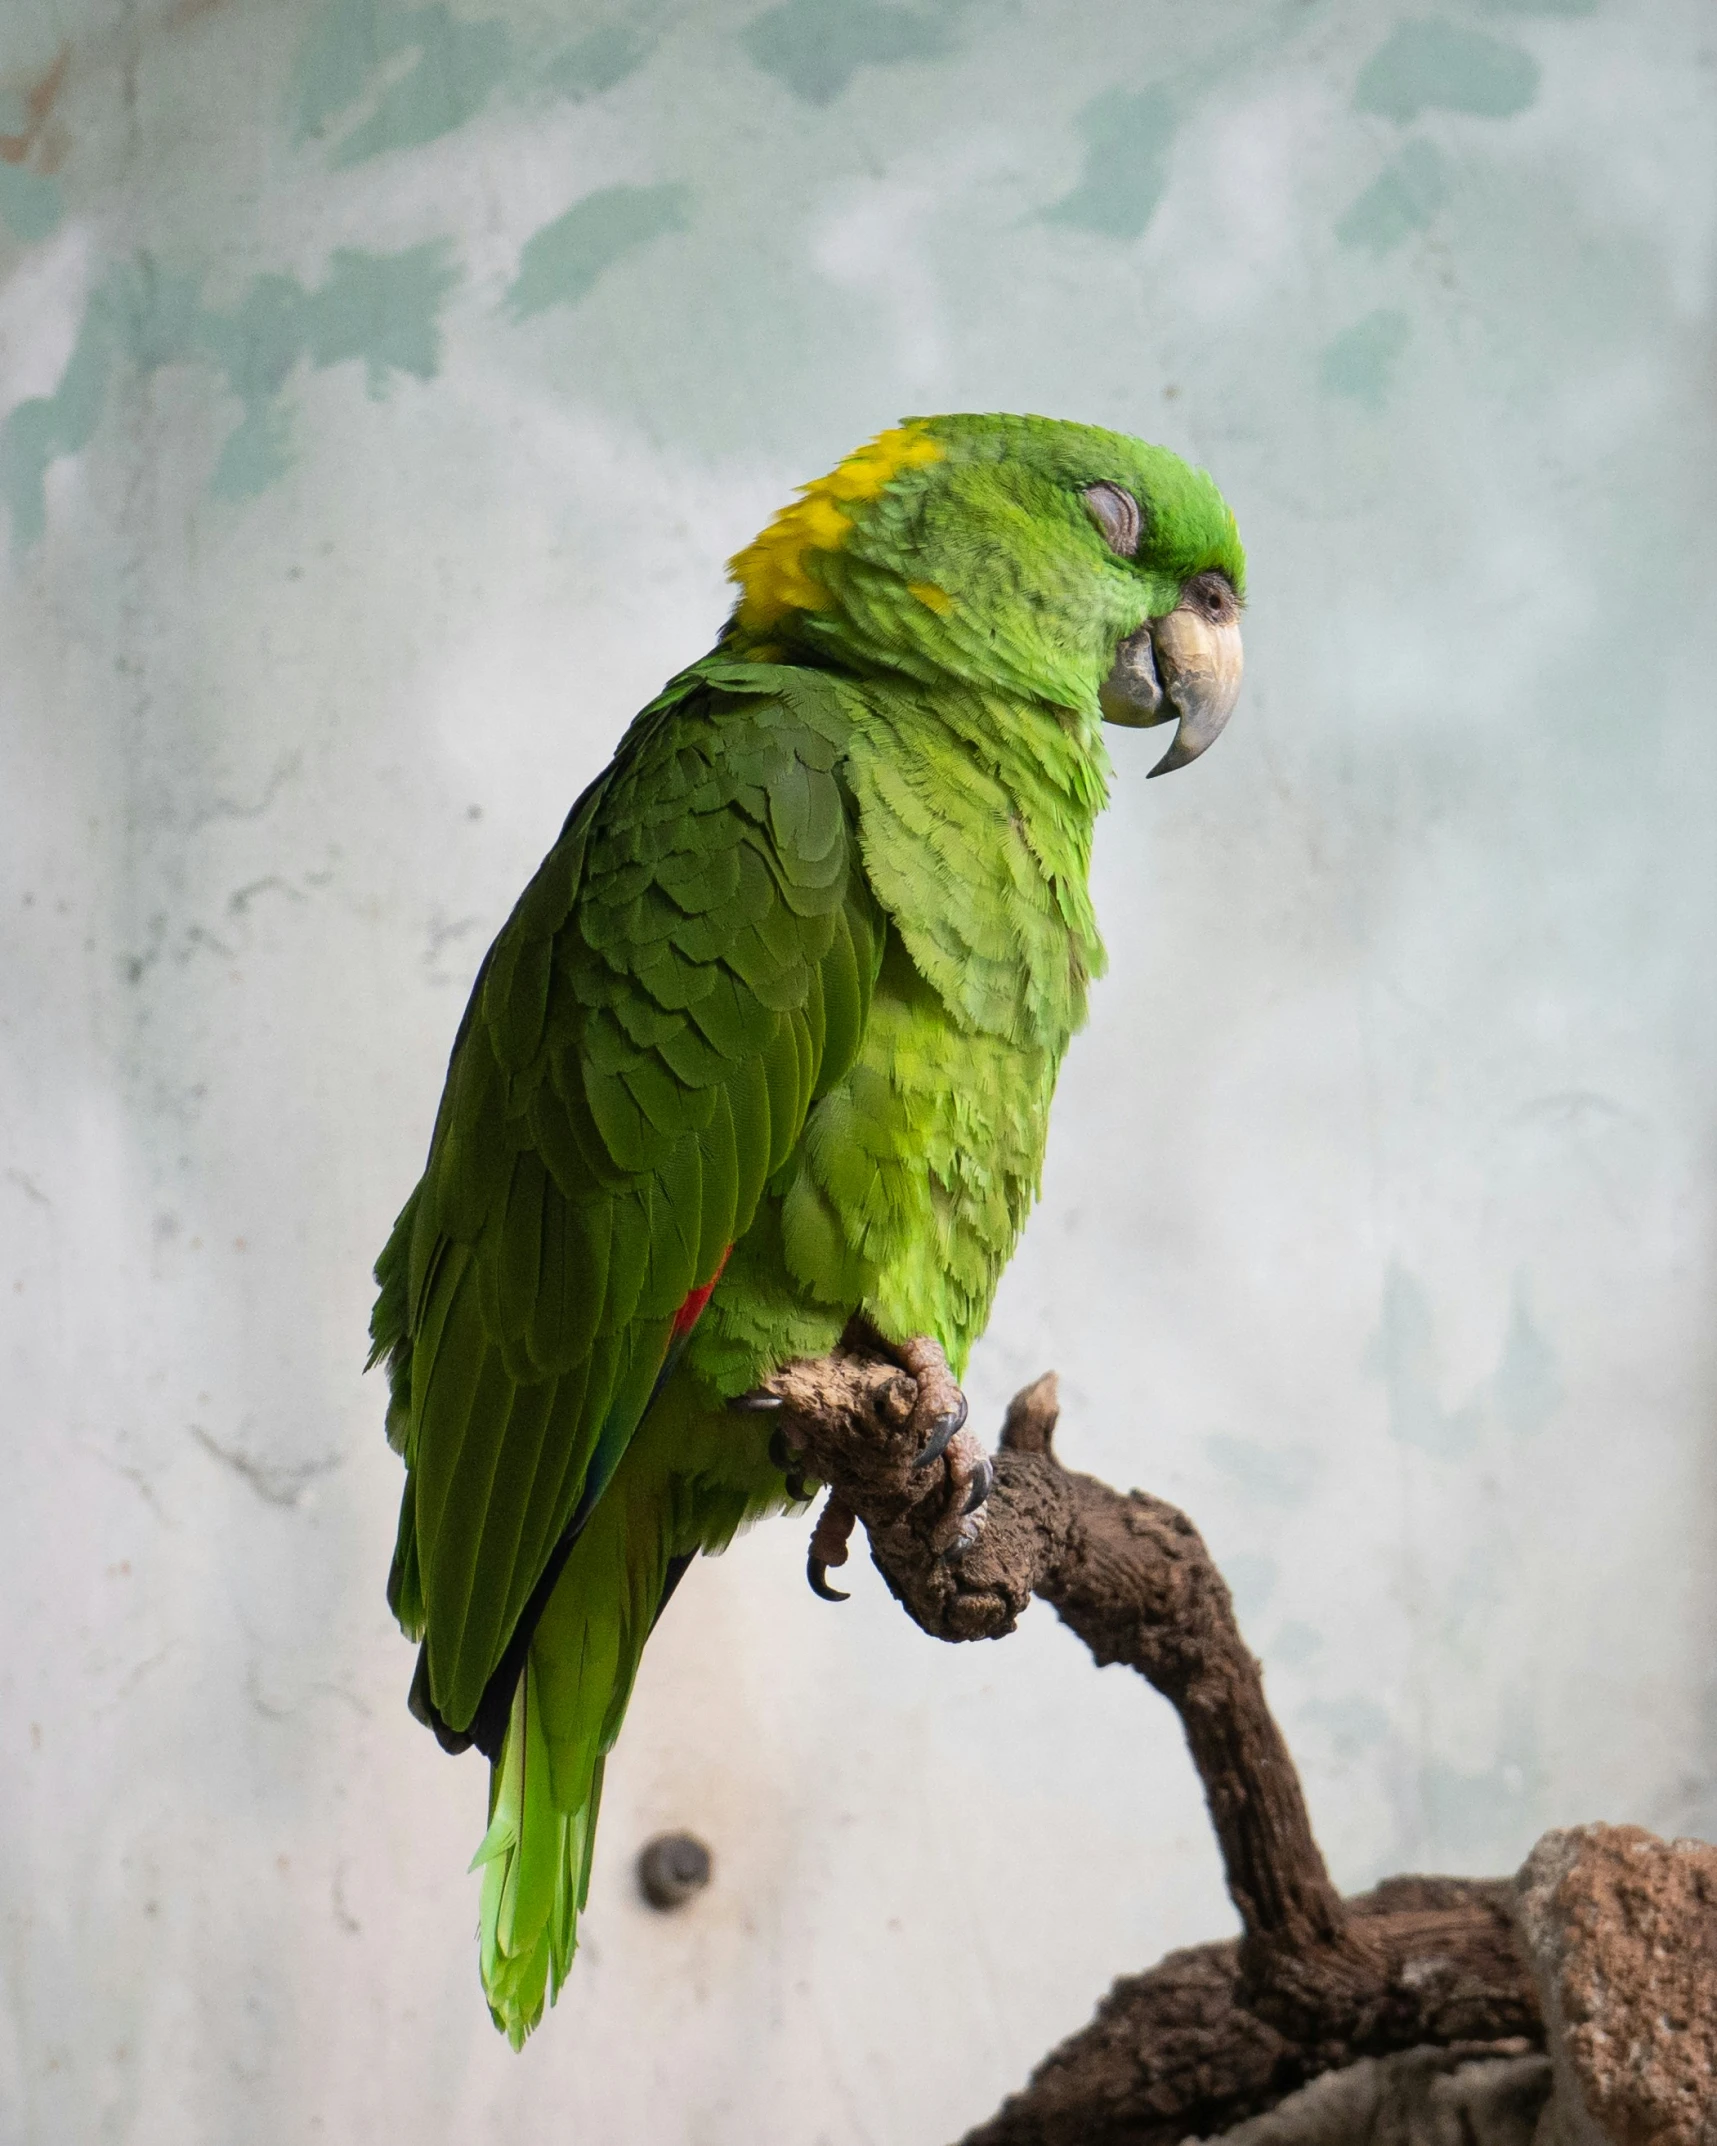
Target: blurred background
column 382, row 388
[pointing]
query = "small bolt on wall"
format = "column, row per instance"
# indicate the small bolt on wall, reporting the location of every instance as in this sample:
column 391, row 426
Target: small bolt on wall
column 672, row 1869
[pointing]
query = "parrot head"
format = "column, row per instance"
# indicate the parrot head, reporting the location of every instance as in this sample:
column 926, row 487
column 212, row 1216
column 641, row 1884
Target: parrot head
column 1074, row 567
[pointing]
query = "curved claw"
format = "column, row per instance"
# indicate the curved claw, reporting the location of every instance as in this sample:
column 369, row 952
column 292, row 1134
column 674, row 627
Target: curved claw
column 818, row 1575
column 756, row 1404
column 983, row 1482
column 798, row 1490
column 941, row 1431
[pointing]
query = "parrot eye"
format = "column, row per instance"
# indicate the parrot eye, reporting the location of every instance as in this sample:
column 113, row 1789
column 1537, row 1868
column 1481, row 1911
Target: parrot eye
column 1211, row 593
column 1117, row 514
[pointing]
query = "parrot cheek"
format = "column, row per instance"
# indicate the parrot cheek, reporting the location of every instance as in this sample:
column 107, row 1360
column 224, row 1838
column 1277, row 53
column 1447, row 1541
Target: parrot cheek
column 1201, row 659
column 1132, row 693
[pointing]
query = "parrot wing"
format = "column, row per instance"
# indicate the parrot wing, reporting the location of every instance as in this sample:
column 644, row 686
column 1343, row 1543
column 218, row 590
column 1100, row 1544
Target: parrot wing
column 689, row 969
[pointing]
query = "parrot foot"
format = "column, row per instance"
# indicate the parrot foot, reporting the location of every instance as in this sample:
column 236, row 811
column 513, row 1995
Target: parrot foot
column 926, row 1412
column 939, row 1411
column 970, row 1481
column 939, row 1417
column 789, row 1458
column 829, row 1547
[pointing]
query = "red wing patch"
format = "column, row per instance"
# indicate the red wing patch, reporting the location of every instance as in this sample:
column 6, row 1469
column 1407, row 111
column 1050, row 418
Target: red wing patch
column 691, row 1311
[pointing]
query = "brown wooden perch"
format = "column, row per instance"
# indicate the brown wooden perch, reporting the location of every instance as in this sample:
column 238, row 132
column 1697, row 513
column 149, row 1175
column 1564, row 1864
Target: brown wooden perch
column 1224, row 2031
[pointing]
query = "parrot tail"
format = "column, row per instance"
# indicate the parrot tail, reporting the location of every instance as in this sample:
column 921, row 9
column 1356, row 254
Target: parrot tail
column 535, row 1862
column 568, row 1704
column 659, row 1510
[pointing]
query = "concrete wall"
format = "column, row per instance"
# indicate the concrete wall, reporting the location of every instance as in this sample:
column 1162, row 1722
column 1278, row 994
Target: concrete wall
column 382, row 387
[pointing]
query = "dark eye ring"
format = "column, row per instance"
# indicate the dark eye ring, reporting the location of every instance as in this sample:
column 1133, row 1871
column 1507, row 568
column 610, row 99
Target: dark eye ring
column 1212, row 593
column 1116, row 513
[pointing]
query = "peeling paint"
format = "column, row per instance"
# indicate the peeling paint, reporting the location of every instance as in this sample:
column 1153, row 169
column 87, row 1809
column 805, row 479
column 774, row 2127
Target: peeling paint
column 1403, row 1355
column 1278, row 1475
column 372, row 77
column 816, row 47
column 1520, row 1396
column 1360, row 364
column 21, row 135
column 1398, row 202
column 46, row 427
column 1526, row 1389
column 1295, row 1644
column 599, row 62
column 1488, row 1817
column 30, row 203
column 1433, row 65
column 348, row 58
column 380, row 309
column 1128, row 137
column 1251, row 1577
column 1353, row 1723
column 561, row 263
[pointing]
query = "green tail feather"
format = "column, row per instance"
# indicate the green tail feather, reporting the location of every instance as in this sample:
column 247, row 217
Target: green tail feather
column 668, row 1498
column 536, row 1873
column 566, row 1715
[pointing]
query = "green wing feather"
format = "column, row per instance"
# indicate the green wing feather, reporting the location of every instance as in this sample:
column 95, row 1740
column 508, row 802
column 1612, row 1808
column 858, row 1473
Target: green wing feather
column 689, row 969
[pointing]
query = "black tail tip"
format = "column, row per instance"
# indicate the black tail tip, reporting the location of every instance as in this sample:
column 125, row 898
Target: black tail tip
column 424, row 1709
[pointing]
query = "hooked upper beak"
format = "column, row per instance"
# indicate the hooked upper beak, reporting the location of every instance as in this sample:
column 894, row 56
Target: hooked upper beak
column 1186, row 664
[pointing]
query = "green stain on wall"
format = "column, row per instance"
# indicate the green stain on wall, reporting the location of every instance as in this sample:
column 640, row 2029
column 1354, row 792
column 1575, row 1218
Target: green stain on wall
column 1353, row 1723
column 29, row 204
column 1426, row 65
column 1399, row 202
column 1128, row 136
column 1251, row 1576
column 48, row 426
column 1294, row 1644
column 380, row 310
column 350, row 52
column 561, row 262
column 1520, row 1396
column 598, row 62
column 1485, row 1819
column 1403, row 1355
column 1526, row 1391
column 816, row 46
column 255, row 346
column 1360, row 364
column 1277, row 1475
column 257, row 453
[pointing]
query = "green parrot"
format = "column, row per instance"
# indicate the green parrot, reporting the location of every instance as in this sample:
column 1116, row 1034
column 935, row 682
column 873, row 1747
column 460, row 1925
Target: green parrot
column 767, row 1045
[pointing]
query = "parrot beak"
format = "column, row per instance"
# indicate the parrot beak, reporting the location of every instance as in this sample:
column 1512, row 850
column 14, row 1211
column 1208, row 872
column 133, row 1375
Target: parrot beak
column 1201, row 660
column 1187, row 664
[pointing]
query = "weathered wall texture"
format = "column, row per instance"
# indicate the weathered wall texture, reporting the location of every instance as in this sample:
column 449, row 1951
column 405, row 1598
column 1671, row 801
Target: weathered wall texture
column 381, row 389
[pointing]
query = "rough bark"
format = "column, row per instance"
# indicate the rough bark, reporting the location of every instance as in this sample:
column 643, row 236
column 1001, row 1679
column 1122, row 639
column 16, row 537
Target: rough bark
column 1315, row 1982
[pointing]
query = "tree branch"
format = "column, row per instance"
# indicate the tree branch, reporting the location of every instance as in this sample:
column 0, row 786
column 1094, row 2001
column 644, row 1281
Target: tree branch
column 1314, row 1981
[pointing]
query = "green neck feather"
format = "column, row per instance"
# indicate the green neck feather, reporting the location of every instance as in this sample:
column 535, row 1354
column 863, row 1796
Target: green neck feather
column 976, row 817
